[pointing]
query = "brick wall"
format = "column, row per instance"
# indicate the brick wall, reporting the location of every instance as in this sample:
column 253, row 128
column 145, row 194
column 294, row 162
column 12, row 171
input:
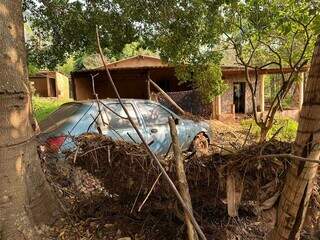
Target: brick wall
column 190, row 101
column 227, row 97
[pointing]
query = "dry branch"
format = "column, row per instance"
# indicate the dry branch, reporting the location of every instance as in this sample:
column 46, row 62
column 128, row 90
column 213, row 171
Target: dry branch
column 284, row 155
column 247, row 136
column 152, row 155
column 131, row 170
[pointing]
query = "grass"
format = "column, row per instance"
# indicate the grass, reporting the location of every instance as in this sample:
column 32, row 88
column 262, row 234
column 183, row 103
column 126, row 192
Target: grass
column 42, row 107
column 288, row 132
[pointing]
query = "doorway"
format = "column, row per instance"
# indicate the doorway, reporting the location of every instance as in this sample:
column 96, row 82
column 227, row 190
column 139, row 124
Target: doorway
column 239, row 96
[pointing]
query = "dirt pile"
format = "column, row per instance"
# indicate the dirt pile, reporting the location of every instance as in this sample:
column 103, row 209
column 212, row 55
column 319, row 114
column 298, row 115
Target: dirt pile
column 127, row 171
column 112, row 189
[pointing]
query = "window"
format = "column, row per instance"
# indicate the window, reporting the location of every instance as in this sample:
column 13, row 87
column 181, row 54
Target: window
column 60, row 116
column 117, row 118
column 154, row 114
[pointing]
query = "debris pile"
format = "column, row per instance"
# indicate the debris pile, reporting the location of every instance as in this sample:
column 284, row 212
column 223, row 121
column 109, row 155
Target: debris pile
column 127, row 171
column 112, row 190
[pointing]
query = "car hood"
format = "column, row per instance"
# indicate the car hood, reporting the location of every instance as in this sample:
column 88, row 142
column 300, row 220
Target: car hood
column 203, row 125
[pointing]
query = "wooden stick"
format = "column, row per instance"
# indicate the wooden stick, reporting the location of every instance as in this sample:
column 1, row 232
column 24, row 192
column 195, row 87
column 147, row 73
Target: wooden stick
column 231, row 195
column 223, row 148
column 153, row 185
column 75, row 155
column 247, row 136
column 96, row 97
column 148, row 86
column 152, row 155
column 166, row 96
column 182, row 178
column 234, row 192
column 276, row 133
column 135, row 201
column 286, row 155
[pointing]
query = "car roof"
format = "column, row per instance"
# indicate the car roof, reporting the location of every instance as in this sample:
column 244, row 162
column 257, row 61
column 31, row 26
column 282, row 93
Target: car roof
column 115, row 100
column 110, row 100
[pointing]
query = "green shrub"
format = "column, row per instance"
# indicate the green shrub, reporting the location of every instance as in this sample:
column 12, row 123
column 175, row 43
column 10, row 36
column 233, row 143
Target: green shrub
column 287, row 133
column 42, row 107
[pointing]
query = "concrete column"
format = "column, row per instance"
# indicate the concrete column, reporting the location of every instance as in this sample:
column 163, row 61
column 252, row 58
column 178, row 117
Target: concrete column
column 261, row 92
column 301, row 89
column 217, row 107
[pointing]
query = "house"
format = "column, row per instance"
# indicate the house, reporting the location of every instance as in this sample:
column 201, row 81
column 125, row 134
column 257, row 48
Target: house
column 130, row 76
column 50, row 84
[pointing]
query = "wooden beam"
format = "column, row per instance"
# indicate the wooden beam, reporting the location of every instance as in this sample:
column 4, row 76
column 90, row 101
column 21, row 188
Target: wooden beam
column 148, row 86
column 167, row 97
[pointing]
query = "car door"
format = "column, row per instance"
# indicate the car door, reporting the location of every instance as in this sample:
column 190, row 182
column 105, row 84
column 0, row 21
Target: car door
column 116, row 124
column 156, row 120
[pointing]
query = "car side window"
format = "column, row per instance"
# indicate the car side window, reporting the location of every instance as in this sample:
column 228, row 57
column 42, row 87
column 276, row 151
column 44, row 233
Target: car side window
column 117, row 118
column 154, row 114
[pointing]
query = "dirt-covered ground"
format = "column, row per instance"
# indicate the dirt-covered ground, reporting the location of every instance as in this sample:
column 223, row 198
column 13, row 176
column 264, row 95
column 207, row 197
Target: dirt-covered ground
column 230, row 135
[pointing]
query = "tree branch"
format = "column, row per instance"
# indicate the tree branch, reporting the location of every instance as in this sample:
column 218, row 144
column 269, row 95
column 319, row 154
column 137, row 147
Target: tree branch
column 152, row 155
column 285, row 155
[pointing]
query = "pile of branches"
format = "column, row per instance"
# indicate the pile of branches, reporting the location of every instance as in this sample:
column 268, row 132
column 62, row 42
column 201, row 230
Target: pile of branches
column 128, row 173
column 105, row 183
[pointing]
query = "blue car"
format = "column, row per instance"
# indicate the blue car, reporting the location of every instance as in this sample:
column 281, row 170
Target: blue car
column 107, row 117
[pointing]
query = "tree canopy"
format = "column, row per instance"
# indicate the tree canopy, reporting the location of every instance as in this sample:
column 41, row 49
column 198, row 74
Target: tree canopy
column 188, row 33
column 278, row 34
column 63, row 28
column 183, row 31
column 272, row 32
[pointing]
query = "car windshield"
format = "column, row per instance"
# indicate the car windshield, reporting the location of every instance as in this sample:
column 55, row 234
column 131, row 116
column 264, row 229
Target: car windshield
column 117, row 118
column 154, row 114
column 59, row 117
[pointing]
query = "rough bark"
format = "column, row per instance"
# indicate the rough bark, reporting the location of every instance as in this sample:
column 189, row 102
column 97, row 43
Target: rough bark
column 295, row 196
column 181, row 175
column 263, row 134
column 26, row 199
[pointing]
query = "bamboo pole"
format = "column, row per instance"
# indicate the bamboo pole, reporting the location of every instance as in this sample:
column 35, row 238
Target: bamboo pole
column 152, row 155
column 166, row 96
column 182, row 179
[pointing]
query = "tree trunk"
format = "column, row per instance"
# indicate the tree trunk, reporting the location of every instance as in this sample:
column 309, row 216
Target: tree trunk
column 182, row 179
column 263, row 134
column 25, row 198
column 295, row 196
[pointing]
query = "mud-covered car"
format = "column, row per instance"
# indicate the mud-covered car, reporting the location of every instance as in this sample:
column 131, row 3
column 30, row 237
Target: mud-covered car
column 75, row 118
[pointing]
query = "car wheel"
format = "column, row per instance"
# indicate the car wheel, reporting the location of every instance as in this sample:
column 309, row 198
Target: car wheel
column 200, row 145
